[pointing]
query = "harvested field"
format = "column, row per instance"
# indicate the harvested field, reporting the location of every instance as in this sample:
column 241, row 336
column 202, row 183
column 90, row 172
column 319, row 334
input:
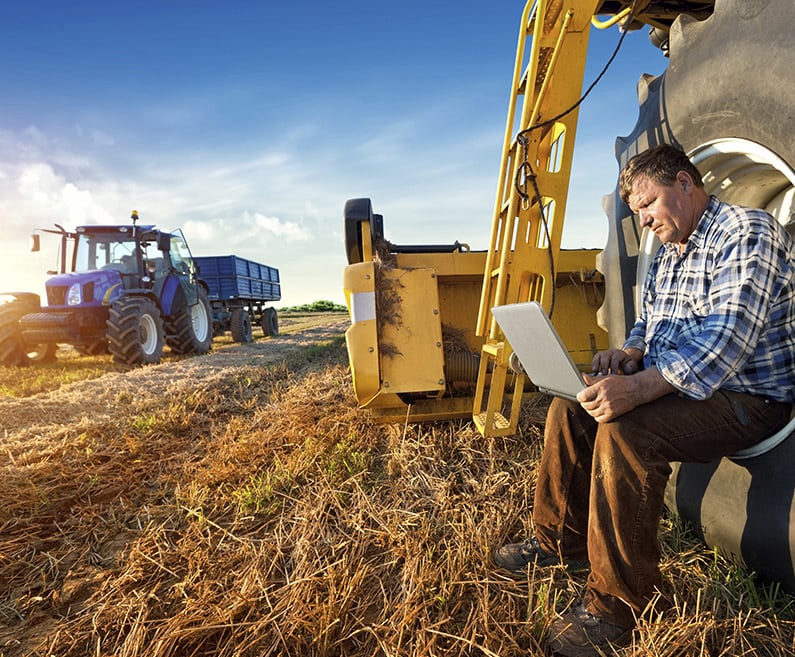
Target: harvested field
column 240, row 504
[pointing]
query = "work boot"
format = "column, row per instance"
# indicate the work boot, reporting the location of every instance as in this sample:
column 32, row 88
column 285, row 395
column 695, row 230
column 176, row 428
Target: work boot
column 579, row 633
column 517, row 557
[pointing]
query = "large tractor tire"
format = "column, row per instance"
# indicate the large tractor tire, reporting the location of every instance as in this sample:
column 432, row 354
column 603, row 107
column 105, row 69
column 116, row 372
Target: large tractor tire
column 270, row 323
column 13, row 350
column 135, row 332
column 728, row 99
column 240, row 325
column 189, row 330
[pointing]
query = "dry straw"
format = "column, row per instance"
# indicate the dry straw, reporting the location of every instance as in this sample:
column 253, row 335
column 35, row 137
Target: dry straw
column 256, row 511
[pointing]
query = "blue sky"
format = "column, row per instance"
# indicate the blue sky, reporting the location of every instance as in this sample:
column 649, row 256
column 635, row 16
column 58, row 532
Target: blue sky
column 248, row 125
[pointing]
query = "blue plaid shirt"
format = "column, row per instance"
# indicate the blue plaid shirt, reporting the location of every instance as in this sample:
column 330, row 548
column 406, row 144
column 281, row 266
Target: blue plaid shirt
column 722, row 314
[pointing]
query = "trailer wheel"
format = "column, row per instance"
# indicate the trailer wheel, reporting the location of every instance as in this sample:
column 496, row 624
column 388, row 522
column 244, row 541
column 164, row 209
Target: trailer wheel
column 240, row 325
column 734, row 118
column 135, row 331
column 190, row 329
column 270, row 322
column 712, row 96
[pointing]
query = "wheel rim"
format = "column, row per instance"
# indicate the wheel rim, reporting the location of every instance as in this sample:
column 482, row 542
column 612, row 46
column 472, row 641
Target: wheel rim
column 147, row 330
column 737, row 171
column 200, row 321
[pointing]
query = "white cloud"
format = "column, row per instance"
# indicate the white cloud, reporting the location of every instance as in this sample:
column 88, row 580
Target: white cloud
column 289, row 230
column 43, row 195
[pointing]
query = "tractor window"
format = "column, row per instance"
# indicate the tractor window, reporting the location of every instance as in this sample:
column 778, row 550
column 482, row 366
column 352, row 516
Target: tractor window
column 98, row 251
column 181, row 259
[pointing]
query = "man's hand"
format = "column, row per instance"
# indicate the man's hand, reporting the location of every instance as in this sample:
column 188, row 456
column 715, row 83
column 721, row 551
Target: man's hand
column 610, row 396
column 617, row 361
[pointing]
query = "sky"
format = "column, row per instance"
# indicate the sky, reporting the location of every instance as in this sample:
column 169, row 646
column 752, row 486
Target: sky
column 249, row 124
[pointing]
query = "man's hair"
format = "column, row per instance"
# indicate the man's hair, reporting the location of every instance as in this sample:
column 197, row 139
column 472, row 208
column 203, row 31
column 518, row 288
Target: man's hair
column 659, row 165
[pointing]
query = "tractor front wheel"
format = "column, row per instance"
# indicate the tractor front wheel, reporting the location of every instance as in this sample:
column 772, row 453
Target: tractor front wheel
column 135, row 332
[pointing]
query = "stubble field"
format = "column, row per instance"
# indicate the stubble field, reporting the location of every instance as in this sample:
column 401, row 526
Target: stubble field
column 240, row 504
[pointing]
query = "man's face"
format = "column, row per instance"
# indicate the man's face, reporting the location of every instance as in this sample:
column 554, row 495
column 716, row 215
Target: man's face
column 666, row 210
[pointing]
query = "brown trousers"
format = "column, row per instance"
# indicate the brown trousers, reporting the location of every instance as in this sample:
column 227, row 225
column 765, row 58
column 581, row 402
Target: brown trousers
column 600, row 487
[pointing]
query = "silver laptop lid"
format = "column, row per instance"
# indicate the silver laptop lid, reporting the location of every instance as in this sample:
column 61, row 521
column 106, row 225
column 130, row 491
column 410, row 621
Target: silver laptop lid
column 539, row 348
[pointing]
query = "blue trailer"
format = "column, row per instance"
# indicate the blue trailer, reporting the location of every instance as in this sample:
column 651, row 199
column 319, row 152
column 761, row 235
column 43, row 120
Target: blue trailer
column 238, row 290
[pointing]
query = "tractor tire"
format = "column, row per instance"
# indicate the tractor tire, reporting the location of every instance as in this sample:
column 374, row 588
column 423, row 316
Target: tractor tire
column 13, row 350
column 713, row 93
column 240, row 325
column 190, row 329
column 728, row 99
column 270, row 323
column 135, row 332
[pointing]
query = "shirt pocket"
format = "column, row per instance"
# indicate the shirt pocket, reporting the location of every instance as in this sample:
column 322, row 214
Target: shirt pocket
column 698, row 307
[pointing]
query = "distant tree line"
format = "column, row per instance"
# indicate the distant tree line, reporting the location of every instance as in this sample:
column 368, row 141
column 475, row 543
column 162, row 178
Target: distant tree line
column 316, row 307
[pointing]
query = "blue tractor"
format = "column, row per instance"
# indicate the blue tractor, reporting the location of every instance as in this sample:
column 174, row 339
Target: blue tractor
column 127, row 290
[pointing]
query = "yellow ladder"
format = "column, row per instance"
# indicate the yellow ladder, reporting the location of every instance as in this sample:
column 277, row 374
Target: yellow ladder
column 525, row 236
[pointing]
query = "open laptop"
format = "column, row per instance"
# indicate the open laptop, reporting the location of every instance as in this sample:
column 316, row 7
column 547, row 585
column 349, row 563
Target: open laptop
column 539, row 349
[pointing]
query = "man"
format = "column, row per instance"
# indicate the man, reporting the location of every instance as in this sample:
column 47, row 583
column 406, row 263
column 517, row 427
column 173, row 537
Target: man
column 708, row 369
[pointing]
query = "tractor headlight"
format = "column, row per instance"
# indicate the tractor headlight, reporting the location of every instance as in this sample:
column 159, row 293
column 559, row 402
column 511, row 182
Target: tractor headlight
column 74, row 296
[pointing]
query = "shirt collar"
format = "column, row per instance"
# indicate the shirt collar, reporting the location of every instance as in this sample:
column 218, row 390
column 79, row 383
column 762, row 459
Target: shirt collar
column 703, row 226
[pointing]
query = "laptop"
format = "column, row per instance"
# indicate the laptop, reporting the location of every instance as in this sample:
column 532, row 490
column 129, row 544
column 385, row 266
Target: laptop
column 539, row 348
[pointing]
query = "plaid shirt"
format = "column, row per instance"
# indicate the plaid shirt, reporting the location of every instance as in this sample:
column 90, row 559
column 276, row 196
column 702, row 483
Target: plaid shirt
column 722, row 314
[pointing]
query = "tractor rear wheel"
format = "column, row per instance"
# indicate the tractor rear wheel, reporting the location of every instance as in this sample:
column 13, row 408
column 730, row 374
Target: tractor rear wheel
column 240, row 325
column 270, row 323
column 734, row 118
column 190, row 328
column 135, row 331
